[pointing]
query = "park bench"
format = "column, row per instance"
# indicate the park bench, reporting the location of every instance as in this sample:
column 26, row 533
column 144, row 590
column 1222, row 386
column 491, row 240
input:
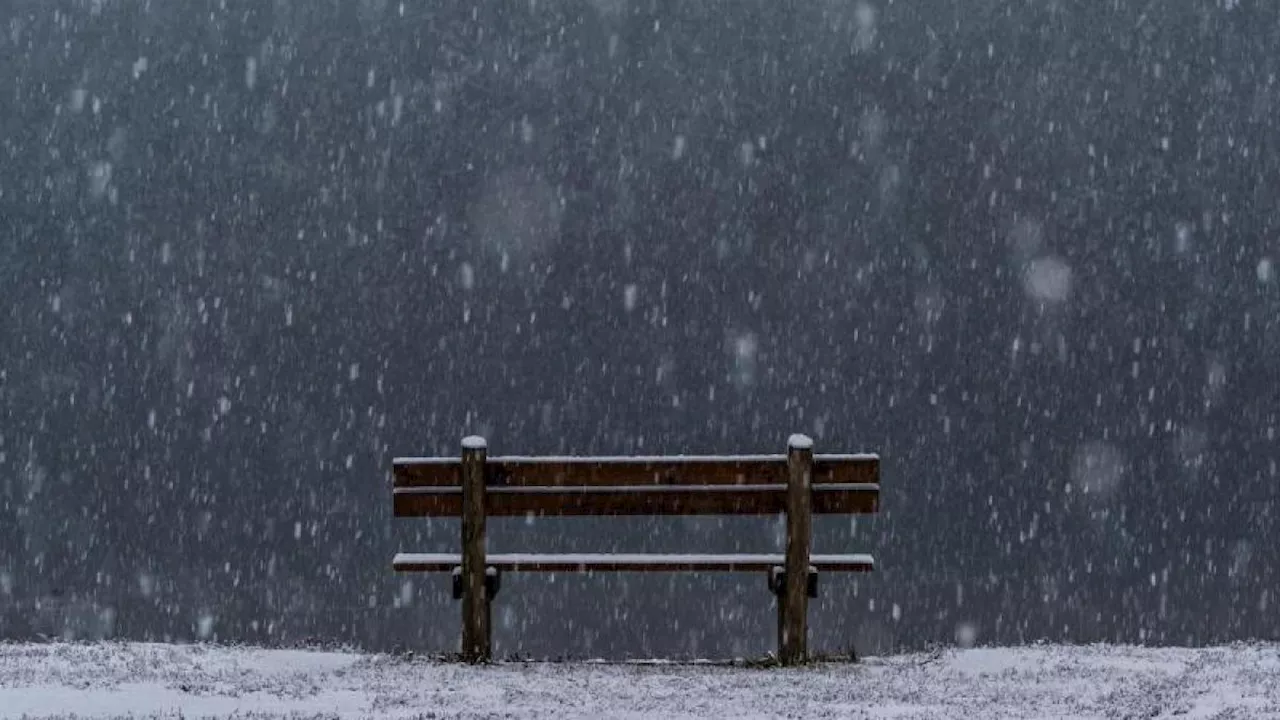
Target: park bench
column 475, row 487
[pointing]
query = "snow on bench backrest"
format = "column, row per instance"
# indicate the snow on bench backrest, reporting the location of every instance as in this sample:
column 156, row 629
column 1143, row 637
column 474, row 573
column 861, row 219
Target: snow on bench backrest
column 553, row 471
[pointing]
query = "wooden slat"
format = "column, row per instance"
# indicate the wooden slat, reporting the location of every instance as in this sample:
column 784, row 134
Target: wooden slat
column 616, row 471
column 848, row 498
column 628, row 562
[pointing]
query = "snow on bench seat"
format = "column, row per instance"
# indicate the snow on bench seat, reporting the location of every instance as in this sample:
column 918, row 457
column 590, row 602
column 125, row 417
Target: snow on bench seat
column 633, row 562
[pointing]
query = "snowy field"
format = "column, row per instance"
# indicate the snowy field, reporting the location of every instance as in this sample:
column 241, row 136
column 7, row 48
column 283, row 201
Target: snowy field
column 169, row 681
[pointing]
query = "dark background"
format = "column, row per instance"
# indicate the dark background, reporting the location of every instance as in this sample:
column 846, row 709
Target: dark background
column 249, row 251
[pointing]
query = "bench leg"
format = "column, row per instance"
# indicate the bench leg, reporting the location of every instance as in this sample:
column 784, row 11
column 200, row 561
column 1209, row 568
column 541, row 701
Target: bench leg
column 793, row 602
column 781, row 596
column 778, row 588
column 475, row 596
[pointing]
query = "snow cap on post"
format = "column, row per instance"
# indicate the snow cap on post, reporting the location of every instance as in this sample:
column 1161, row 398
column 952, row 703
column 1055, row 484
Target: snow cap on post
column 474, row 442
column 800, row 442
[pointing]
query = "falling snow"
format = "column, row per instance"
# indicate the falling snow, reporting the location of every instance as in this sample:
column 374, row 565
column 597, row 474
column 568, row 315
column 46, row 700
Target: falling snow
column 1025, row 251
column 1048, row 279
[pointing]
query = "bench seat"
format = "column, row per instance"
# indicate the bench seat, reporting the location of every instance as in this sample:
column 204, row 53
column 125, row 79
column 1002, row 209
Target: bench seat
column 628, row 562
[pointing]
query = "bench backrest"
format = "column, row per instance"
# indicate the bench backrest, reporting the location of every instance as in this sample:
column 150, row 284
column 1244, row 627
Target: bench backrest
column 676, row 485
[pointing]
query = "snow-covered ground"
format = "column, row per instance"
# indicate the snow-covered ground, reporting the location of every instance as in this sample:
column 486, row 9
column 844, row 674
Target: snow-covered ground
column 153, row 680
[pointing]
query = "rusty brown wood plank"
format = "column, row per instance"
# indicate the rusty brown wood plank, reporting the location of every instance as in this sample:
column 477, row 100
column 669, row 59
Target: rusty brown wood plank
column 615, row 471
column 629, row 562
column 851, row 498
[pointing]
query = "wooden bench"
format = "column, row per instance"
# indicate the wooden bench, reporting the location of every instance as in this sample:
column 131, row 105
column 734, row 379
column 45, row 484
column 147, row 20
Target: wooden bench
column 475, row 487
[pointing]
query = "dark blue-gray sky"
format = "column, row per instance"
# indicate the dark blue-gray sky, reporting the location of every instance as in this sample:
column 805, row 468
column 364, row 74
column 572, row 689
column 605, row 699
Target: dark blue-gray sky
column 249, row 251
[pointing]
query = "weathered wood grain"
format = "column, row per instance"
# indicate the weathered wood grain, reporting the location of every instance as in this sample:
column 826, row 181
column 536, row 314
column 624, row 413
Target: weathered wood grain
column 794, row 599
column 618, row 471
column 475, row 600
column 852, row 498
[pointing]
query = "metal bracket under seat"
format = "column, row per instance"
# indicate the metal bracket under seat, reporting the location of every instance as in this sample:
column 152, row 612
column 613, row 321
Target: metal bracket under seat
column 778, row 581
column 492, row 582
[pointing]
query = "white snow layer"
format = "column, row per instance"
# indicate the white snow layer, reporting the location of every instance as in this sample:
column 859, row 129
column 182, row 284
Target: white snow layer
column 586, row 560
column 154, row 680
column 634, row 459
column 800, row 442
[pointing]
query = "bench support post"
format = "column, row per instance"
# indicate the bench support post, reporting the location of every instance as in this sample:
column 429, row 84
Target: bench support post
column 793, row 601
column 475, row 596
